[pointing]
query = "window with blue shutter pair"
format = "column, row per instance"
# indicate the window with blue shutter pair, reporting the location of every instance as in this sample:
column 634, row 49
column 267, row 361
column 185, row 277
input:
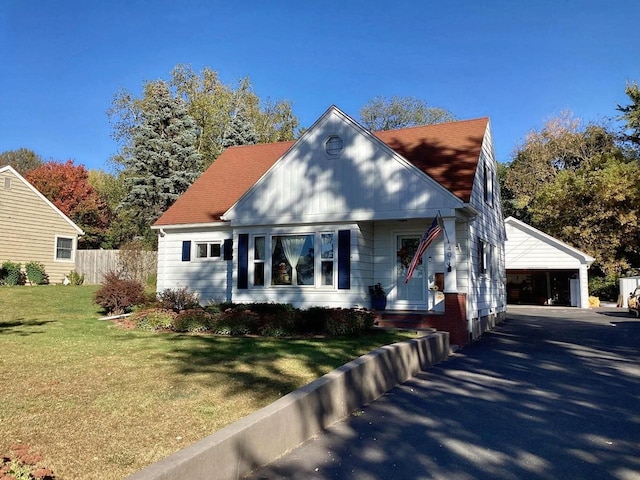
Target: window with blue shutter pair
column 344, row 261
column 227, row 252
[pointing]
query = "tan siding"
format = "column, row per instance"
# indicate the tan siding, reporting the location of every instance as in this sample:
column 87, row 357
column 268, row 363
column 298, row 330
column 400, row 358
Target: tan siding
column 28, row 229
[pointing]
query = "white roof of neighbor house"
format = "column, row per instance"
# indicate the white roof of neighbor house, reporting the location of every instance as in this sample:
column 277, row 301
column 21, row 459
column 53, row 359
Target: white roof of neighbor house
column 529, row 248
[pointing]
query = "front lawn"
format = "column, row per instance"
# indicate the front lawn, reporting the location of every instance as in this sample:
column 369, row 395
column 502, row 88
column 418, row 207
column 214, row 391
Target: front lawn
column 100, row 401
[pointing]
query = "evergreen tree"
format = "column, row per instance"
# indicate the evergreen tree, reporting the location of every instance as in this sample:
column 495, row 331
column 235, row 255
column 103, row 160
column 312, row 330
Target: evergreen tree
column 631, row 116
column 163, row 159
column 240, row 131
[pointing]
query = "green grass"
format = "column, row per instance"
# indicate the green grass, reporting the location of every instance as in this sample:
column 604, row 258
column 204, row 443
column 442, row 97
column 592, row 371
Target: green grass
column 100, row 401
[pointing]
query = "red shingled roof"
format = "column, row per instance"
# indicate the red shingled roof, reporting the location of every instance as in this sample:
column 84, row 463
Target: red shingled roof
column 223, row 183
column 447, row 152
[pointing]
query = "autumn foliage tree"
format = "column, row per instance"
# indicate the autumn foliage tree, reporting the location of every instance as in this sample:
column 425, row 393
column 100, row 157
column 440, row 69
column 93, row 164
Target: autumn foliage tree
column 66, row 185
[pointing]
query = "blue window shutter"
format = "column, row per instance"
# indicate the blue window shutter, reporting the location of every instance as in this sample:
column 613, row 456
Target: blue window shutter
column 228, row 249
column 243, row 260
column 186, row 251
column 344, row 259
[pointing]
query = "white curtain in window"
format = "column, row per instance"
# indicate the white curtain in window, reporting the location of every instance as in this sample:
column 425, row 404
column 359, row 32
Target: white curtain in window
column 292, row 247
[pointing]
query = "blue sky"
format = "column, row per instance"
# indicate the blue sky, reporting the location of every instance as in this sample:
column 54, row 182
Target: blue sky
column 518, row 62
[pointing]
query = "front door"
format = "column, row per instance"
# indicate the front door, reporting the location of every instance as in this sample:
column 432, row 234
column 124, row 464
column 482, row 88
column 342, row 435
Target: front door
column 410, row 295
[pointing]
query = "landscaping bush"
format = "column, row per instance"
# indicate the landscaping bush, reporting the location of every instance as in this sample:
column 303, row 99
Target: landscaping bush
column 193, row 320
column 36, row 274
column 349, row 322
column 178, row 299
column 75, row 278
column 153, row 319
column 11, row 274
column 314, row 320
column 265, row 319
column 237, row 321
column 605, row 288
column 118, row 295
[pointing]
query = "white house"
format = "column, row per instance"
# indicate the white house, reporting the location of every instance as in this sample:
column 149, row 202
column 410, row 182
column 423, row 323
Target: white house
column 543, row 270
column 317, row 221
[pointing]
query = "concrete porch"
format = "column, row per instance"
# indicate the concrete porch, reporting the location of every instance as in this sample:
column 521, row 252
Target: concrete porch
column 452, row 320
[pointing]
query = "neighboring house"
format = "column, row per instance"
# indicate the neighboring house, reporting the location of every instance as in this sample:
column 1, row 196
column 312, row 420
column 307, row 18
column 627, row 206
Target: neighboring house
column 317, row 221
column 32, row 229
column 542, row 270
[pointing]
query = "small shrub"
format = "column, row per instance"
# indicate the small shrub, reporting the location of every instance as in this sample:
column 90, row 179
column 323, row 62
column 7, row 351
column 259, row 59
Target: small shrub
column 11, row 274
column 349, row 322
column 314, row 320
column 237, row 321
column 75, row 278
column 117, row 294
column 606, row 288
column 178, row 299
column 36, row 274
column 153, row 319
column 193, row 320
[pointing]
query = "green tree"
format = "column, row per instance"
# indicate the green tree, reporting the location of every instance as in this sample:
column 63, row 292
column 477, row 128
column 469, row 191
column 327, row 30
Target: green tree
column 595, row 209
column 22, row 160
column 240, row 131
column 631, row 116
column 163, row 159
column 564, row 143
column 213, row 105
column 382, row 113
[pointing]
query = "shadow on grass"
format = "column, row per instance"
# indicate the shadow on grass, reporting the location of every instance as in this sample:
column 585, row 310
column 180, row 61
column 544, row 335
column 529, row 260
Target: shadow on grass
column 262, row 364
column 23, row 327
column 542, row 396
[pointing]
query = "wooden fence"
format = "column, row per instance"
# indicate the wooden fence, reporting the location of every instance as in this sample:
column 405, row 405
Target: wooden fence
column 136, row 264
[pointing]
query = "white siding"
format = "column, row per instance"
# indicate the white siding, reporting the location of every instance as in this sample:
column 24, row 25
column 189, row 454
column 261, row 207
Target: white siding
column 207, row 277
column 487, row 295
column 366, row 182
column 526, row 251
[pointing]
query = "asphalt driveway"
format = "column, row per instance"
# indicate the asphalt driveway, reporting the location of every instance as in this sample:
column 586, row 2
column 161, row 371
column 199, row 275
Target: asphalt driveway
column 551, row 393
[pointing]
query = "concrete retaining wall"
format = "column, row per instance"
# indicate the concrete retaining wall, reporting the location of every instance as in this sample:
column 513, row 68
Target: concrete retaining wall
column 259, row 438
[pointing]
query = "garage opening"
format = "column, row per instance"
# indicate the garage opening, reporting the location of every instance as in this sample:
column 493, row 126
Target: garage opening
column 543, row 287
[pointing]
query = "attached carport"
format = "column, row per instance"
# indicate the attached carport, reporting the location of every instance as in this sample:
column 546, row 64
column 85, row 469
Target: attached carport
column 542, row 270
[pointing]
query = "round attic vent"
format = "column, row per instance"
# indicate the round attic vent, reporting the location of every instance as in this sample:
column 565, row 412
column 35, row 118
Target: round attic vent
column 333, row 145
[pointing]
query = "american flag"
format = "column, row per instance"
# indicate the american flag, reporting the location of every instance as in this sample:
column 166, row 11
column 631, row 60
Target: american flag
column 429, row 236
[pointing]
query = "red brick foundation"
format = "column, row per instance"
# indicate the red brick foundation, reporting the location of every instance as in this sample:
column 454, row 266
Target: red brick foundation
column 455, row 310
column 453, row 320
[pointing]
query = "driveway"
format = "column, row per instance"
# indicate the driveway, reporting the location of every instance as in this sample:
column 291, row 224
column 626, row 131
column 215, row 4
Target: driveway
column 551, row 393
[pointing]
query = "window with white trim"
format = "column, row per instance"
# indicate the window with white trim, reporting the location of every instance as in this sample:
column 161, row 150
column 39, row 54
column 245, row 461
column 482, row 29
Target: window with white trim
column 209, row 250
column 259, row 256
column 292, row 259
column 327, row 259
column 305, row 259
column 64, row 248
column 485, row 257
